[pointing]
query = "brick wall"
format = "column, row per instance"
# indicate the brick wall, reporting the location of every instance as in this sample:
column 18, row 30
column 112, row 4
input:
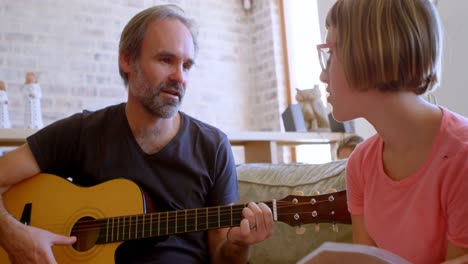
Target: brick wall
column 267, row 94
column 238, row 83
column 73, row 47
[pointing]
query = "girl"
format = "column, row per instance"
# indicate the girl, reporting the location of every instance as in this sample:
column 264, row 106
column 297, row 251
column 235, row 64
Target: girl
column 408, row 184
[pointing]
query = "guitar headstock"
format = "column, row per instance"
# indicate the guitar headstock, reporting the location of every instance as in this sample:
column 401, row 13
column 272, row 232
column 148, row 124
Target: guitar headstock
column 297, row 210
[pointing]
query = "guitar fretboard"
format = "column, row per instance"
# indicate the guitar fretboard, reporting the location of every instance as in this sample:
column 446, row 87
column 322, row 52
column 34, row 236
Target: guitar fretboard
column 129, row 227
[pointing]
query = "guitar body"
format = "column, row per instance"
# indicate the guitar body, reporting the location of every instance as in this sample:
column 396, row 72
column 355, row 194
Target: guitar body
column 57, row 205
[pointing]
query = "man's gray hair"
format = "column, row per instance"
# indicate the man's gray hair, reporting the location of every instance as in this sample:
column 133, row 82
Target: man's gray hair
column 134, row 32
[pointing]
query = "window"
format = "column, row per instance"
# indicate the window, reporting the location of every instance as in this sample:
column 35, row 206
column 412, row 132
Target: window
column 303, row 33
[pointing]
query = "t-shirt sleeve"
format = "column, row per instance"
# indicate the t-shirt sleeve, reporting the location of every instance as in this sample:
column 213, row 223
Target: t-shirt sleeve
column 225, row 190
column 52, row 146
column 354, row 182
column 454, row 199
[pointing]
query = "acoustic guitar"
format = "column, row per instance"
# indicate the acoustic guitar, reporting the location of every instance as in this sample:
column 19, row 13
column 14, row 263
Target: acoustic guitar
column 105, row 215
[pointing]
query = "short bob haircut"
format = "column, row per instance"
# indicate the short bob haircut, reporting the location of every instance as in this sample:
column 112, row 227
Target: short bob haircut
column 389, row 45
column 134, row 32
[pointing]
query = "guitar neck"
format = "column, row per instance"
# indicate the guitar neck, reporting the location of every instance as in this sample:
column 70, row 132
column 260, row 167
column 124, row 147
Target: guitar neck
column 293, row 210
column 129, row 227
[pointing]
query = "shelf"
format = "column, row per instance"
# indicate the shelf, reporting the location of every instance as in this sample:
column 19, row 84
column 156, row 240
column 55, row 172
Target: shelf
column 259, row 146
column 285, row 138
column 14, row 136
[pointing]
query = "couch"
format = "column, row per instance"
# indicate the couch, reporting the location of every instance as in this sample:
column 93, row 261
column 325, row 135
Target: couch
column 264, row 182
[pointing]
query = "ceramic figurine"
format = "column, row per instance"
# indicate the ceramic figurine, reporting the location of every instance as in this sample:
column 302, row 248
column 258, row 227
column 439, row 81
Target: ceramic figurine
column 313, row 109
column 33, row 117
column 4, row 115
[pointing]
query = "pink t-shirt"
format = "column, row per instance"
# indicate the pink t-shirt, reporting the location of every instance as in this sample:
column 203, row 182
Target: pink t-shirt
column 415, row 217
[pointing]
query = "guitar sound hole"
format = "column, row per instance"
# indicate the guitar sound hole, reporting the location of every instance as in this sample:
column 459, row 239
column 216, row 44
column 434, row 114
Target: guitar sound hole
column 86, row 234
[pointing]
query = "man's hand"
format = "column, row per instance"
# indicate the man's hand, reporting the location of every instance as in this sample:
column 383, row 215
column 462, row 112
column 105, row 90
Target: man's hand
column 27, row 244
column 256, row 226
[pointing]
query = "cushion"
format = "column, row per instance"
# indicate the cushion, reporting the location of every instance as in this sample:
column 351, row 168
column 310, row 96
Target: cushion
column 263, row 182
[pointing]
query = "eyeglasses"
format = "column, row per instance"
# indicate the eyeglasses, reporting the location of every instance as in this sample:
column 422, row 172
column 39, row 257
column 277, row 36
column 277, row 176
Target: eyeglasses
column 324, row 54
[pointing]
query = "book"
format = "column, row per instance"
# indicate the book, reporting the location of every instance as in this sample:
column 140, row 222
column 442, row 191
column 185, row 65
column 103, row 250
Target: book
column 333, row 252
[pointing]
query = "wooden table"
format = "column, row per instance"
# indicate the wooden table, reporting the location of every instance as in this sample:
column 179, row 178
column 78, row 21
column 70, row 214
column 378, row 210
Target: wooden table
column 263, row 146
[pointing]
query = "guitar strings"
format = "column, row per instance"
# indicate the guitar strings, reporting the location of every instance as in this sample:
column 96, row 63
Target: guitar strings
column 163, row 218
column 170, row 216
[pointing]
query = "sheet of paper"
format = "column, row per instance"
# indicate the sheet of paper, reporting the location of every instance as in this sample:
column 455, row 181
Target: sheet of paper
column 332, row 252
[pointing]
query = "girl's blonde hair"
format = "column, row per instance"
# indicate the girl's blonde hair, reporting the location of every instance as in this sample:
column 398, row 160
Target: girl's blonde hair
column 388, row 44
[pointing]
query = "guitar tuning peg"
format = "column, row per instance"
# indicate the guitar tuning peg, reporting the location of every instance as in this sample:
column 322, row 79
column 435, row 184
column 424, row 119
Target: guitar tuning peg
column 331, row 190
column 300, row 230
column 298, row 193
column 315, row 193
column 317, row 228
column 335, row 228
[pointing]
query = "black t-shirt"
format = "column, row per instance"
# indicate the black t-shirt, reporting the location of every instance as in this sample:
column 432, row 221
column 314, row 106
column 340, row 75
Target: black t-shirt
column 195, row 169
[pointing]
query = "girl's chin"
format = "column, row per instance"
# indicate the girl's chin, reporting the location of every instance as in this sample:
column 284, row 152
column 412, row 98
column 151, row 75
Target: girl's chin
column 339, row 116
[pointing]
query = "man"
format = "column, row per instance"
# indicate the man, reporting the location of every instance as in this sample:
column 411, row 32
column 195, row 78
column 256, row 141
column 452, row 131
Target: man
column 181, row 162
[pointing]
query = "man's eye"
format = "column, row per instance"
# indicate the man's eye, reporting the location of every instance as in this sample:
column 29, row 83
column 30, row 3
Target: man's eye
column 166, row 60
column 188, row 66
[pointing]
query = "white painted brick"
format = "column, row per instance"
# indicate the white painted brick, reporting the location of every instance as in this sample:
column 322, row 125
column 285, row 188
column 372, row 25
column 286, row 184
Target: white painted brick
column 237, row 84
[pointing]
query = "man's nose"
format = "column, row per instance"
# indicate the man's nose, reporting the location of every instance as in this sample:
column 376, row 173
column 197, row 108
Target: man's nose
column 178, row 74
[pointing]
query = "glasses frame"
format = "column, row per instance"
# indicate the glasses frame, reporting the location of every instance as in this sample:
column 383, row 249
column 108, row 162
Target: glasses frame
column 324, row 53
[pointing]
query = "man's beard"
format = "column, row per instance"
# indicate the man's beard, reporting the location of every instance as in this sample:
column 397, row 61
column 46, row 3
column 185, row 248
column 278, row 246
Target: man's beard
column 152, row 102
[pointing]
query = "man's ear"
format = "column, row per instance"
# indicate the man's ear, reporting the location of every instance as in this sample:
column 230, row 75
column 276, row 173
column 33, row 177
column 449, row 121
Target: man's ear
column 124, row 62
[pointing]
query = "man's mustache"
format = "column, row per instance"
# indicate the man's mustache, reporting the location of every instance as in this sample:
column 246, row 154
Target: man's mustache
column 165, row 86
